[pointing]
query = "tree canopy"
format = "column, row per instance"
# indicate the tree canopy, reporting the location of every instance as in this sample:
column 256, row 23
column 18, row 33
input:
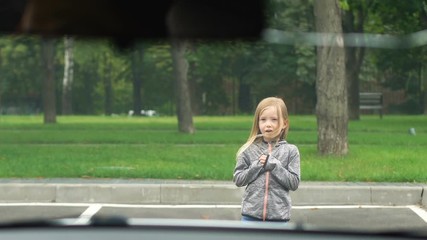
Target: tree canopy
column 224, row 77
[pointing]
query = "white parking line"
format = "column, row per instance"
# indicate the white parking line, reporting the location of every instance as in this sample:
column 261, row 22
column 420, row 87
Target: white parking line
column 420, row 212
column 46, row 204
column 347, row 206
column 92, row 207
column 170, row 206
column 88, row 214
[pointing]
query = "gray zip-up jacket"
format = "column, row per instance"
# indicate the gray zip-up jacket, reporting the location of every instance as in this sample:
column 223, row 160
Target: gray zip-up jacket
column 284, row 167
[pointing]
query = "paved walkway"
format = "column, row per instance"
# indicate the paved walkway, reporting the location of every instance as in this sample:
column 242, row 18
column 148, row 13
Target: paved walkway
column 153, row 191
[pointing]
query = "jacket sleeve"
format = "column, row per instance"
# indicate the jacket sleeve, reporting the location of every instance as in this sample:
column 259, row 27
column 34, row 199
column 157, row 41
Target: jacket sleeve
column 288, row 176
column 246, row 171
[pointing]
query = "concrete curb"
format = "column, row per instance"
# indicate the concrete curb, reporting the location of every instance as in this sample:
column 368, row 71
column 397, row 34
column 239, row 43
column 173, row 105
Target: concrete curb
column 201, row 192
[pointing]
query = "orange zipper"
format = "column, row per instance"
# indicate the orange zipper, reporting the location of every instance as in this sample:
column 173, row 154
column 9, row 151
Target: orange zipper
column 264, row 212
column 267, row 180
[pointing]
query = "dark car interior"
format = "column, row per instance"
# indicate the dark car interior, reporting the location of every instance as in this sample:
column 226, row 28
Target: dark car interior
column 125, row 22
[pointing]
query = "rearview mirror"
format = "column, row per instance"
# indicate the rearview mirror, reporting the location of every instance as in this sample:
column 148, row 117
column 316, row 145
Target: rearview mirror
column 131, row 20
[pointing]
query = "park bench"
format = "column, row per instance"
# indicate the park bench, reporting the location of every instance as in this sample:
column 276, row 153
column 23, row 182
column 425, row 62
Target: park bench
column 371, row 101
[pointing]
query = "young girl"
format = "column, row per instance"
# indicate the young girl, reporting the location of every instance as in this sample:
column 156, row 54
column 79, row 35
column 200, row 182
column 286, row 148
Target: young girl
column 268, row 165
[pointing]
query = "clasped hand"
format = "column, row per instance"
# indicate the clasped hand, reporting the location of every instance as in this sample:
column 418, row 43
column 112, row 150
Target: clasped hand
column 263, row 159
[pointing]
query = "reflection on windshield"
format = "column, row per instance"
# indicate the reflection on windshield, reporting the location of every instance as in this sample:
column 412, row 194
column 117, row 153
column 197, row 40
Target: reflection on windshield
column 157, row 113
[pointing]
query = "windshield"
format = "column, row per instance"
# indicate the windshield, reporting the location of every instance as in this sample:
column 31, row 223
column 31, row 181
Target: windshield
column 180, row 115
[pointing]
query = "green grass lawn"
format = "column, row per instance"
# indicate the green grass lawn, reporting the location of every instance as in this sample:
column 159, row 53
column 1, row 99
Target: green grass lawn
column 380, row 150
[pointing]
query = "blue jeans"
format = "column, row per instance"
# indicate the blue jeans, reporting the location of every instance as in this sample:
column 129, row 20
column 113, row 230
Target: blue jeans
column 252, row 219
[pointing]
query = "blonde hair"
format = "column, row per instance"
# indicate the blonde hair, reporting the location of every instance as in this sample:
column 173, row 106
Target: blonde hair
column 282, row 111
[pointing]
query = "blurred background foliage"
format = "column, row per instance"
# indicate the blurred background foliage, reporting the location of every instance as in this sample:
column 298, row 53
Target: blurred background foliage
column 226, row 78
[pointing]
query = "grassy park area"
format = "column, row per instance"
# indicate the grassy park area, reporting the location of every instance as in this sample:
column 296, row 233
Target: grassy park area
column 380, row 150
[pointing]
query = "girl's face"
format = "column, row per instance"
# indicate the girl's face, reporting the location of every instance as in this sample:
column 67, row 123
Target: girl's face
column 269, row 124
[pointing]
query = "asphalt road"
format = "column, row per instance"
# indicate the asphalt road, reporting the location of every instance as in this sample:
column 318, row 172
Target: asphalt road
column 324, row 205
column 345, row 217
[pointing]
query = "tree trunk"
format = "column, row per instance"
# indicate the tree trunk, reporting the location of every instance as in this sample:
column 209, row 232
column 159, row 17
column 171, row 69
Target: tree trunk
column 354, row 57
column 1, row 84
column 137, row 62
column 331, row 108
column 49, row 96
column 423, row 77
column 108, row 88
column 67, row 84
column 245, row 101
column 182, row 94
